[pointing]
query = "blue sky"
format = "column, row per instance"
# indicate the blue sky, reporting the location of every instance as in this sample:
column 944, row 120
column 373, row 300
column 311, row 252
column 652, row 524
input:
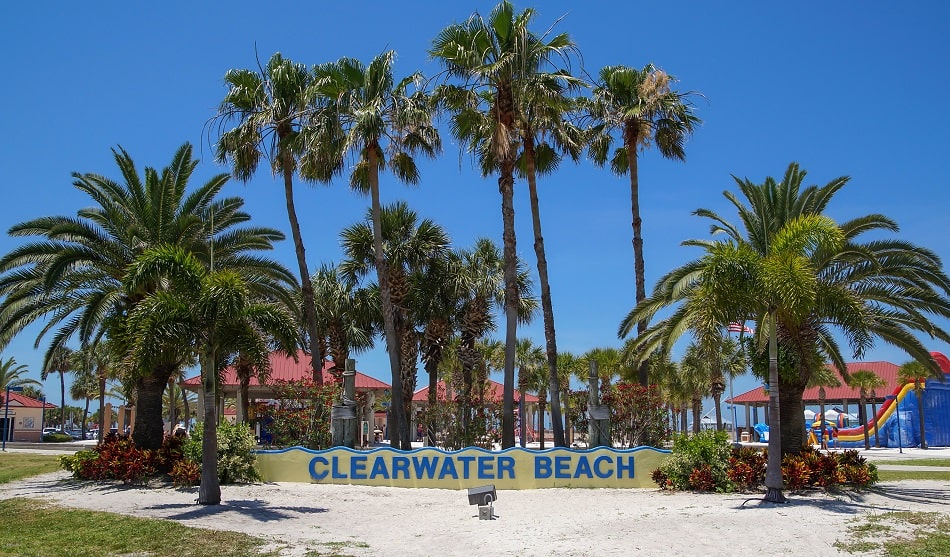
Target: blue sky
column 841, row 88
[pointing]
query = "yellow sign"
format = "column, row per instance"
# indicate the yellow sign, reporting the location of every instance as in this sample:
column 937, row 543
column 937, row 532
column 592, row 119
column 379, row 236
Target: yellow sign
column 515, row 468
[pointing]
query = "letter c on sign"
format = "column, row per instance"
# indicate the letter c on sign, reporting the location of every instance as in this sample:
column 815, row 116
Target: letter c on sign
column 313, row 469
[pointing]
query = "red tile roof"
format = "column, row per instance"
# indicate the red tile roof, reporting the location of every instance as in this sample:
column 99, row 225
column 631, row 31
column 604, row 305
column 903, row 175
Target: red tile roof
column 495, row 392
column 285, row 368
column 885, row 370
column 18, row 400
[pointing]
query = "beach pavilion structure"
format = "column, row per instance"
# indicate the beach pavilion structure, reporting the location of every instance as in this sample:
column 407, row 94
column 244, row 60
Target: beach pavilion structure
column 754, row 403
column 494, row 393
column 284, row 368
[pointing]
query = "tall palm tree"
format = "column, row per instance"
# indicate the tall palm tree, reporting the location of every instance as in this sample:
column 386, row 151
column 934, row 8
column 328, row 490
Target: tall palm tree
column 410, row 246
column 865, row 380
column 12, row 375
column 366, row 115
column 271, row 108
column 218, row 314
column 917, row 373
column 494, row 59
column 71, row 276
column 61, row 360
column 642, row 108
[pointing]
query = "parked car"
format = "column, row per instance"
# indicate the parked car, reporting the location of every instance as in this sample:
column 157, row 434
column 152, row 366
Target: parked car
column 50, row 430
column 76, row 434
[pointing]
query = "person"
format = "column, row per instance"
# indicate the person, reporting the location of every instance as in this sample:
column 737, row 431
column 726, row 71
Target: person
column 419, row 432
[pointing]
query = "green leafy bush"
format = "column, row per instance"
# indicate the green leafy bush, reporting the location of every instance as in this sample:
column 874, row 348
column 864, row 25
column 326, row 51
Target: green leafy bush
column 117, row 458
column 698, row 462
column 236, row 446
column 57, row 438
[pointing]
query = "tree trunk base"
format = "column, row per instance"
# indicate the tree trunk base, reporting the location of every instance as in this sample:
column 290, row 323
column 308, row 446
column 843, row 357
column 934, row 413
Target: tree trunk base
column 774, row 495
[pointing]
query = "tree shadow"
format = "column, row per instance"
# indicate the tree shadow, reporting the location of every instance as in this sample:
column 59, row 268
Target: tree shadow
column 256, row 509
column 857, row 502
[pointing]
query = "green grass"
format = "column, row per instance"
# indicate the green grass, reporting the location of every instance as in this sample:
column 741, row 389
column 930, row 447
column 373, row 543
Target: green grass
column 900, row 534
column 917, row 462
column 900, row 475
column 43, row 530
column 14, row 466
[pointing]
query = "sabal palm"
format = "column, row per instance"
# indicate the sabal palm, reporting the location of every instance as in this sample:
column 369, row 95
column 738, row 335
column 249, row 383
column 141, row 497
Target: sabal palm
column 84, row 386
column 641, row 107
column 218, row 315
column 60, row 360
column 364, row 114
column 411, row 245
column 823, row 377
column 917, row 373
column 271, row 109
column 694, row 378
column 12, row 375
column 494, row 59
column 71, row 277
column 532, row 376
column 345, row 314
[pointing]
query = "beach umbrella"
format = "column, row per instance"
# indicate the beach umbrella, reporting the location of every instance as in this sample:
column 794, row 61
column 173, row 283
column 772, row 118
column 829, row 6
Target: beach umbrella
column 810, row 414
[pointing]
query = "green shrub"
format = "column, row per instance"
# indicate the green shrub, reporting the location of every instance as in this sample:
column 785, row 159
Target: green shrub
column 698, row 462
column 236, row 446
column 57, row 438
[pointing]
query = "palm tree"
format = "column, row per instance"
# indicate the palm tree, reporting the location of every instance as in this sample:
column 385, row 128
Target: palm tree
column 642, row 108
column 883, row 288
column 695, row 378
column 865, row 380
column 84, row 388
column 271, row 108
column 530, row 359
column 12, row 375
column 365, row 114
column 495, row 59
column 218, row 314
column 345, row 315
column 776, row 288
column 410, row 246
column 61, row 360
column 71, row 277
column 916, row 373
column 823, row 377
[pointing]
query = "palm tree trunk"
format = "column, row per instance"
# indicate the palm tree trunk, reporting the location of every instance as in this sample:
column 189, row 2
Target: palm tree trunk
column 506, row 187
column 399, row 429
column 102, row 406
column 773, row 469
column 209, row 492
column 877, row 432
column 62, row 387
column 149, row 429
column 547, row 308
column 697, row 414
column 245, row 399
column 306, row 287
column 85, row 414
column 171, row 406
column 630, row 146
column 184, row 402
column 863, row 418
column 920, row 412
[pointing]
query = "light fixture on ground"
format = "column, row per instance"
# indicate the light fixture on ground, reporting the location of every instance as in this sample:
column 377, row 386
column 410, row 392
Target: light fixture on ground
column 484, row 496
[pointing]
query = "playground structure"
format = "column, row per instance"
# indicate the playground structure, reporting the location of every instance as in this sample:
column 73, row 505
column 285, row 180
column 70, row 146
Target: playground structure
column 897, row 422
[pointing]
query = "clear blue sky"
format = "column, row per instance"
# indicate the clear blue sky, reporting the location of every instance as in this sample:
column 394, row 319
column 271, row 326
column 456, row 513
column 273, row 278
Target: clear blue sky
column 842, row 88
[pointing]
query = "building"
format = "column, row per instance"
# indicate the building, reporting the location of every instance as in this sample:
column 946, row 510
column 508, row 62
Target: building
column 23, row 419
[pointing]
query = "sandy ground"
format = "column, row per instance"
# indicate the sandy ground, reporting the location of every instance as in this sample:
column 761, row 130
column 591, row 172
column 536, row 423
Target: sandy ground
column 395, row 521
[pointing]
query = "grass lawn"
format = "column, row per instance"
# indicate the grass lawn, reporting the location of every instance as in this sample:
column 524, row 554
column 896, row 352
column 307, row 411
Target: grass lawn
column 918, row 462
column 41, row 529
column 899, row 534
column 899, row 475
column 14, row 466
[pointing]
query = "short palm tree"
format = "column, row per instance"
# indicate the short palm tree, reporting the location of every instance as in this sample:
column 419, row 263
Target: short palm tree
column 218, row 314
column 365, row 114
column 865, row 380
column 823, row 377
column 641, row 107
column 532, row 376
column 71, row 275
column 12, row 375
column 270, row 108
column 916, row 373
column 411, row 245
column 494, row 60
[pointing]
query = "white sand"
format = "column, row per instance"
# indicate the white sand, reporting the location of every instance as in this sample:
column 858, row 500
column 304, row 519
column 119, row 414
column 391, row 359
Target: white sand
column 396, row 521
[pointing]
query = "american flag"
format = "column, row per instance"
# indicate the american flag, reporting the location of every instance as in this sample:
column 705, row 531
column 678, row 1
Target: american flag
column 739, row 328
